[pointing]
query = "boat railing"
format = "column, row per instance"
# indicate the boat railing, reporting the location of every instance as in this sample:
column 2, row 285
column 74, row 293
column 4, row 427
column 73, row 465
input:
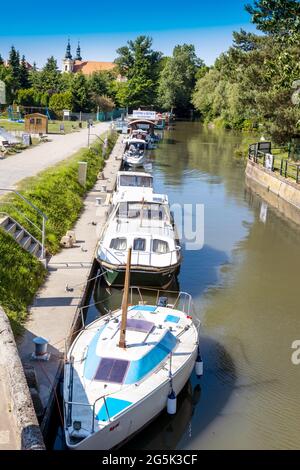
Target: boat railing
column 143, row 258
column 69, row 405
column 183, row 297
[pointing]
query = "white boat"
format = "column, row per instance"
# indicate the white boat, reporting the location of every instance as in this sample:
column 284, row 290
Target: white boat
column 125, row 368
column 145, row 223
column 134, row 155
column 129, row 182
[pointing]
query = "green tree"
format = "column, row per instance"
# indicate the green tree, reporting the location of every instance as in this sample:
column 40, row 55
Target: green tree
column 140, row 64
column 103, row 103
column 60, row 101
column 14, row 64
column 1, row 60
column 7, row 77
column 24, row 75
column 178, row 78
column 276, row 17
column 80, row 94
column 99, row 83
column 49, row 79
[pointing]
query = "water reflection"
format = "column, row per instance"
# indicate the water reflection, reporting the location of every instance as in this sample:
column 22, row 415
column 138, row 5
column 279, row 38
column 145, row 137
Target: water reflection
column 245, row 284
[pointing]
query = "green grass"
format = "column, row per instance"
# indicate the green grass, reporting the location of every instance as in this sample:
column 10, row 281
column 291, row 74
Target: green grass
column 58, row 194
column 53, row 126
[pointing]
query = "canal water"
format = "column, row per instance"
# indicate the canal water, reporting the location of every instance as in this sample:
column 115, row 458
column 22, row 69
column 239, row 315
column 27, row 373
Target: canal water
column 245, row 287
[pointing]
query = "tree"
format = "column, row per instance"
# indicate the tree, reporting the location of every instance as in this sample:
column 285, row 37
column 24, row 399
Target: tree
column 24, row 75
column 80, row 93
column 178, row 78
column 14, row 64
column 60, row 101
column 49, row 79
column 104, row 103
column 99, row 83
column 7, row 78
column 276, row 17
column 140, row 64
column 1, row 60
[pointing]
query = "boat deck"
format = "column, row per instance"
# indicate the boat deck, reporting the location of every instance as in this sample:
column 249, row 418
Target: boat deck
column 125, row 376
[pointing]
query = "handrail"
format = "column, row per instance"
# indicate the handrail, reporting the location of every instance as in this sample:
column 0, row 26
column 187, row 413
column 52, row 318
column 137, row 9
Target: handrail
column 39, row 211
column 21, row 213
column 139, row 253
column 69, row 404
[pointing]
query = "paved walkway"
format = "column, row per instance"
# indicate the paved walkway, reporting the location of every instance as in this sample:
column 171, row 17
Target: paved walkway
column 33, row 160
column 54, row 308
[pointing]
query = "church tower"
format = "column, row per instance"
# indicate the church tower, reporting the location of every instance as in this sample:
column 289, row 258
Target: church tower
column 68, row 61
column 78, row 53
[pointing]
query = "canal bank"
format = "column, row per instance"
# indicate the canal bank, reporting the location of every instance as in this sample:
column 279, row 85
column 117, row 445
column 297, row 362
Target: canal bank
column 278, row 191
column 55, row 309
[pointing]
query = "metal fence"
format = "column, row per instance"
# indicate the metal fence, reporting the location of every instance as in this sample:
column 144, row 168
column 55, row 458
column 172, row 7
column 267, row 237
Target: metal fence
column 263, row 154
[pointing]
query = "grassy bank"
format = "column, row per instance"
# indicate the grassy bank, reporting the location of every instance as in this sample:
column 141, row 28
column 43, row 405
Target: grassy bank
column 53, row 126
column 58, row 194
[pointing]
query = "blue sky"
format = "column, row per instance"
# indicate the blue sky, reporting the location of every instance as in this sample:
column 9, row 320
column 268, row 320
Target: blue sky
column 40, row 29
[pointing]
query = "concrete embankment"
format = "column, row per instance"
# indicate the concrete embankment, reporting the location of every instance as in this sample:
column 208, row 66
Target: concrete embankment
column 19, row 428
column 278, row 191
column 55, row 309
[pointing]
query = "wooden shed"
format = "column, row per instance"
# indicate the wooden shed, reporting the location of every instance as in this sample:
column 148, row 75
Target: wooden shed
column 36, row 123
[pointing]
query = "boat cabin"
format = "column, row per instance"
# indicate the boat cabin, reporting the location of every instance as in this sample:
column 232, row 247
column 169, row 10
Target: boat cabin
column 135, row 145
column 127, row 179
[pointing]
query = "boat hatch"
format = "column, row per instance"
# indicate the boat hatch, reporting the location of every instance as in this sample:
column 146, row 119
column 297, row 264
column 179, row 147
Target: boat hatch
column 144, row 308
column 172, row 319
column 142, row 326
column 113, row 406
column 111, row 370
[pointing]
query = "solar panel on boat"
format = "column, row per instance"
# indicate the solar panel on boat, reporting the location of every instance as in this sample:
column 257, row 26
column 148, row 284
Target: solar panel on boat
column 111, row 370
column 143, row 326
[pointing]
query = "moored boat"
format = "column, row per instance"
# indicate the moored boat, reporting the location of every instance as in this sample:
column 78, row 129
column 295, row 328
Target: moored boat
column 145, row 223
column 126, row 367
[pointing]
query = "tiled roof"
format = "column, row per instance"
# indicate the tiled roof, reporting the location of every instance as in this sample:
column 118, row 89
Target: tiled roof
column 88, row 67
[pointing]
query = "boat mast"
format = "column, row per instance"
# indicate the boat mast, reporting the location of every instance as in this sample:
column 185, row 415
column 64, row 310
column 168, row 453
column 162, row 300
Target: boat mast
column 122, row 343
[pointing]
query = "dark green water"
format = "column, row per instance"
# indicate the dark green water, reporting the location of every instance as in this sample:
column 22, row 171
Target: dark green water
column 245, row 285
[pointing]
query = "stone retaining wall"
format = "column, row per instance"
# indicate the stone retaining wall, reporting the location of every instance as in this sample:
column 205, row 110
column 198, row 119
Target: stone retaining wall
column 23, row 414
column 277, row 190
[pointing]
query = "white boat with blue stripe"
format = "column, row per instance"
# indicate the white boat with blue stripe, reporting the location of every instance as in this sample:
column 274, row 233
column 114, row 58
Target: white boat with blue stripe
column 114, row 386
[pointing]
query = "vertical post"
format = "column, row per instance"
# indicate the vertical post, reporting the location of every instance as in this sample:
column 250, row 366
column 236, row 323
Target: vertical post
column 297, row 177
column 281, row 167
column 286, row 169
column 122, row 343
column 89, row 131
column 43, row 238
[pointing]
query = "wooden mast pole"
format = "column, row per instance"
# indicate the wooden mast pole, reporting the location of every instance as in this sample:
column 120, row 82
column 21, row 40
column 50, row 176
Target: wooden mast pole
column 122, row 343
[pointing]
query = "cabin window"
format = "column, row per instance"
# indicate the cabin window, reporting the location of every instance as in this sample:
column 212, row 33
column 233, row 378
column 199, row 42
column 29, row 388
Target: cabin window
column 132, row 180
column 31, row 120
column 160, row 246
column 38, row 121
column 118, row 244
column 139, row 244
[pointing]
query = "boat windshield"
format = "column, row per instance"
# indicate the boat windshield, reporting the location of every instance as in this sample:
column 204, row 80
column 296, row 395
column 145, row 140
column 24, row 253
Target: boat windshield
column 147, row 211
column 134, row 180
column 137, row 146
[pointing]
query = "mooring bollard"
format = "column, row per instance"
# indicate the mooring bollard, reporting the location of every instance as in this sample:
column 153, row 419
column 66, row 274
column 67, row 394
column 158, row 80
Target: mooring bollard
column 40, row 353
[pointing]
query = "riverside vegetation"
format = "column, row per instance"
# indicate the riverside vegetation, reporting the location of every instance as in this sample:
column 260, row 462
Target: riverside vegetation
column 58, row 194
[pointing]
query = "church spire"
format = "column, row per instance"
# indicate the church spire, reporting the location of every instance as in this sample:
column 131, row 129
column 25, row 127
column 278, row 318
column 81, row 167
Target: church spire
column 68, row 51
column 78, row 52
